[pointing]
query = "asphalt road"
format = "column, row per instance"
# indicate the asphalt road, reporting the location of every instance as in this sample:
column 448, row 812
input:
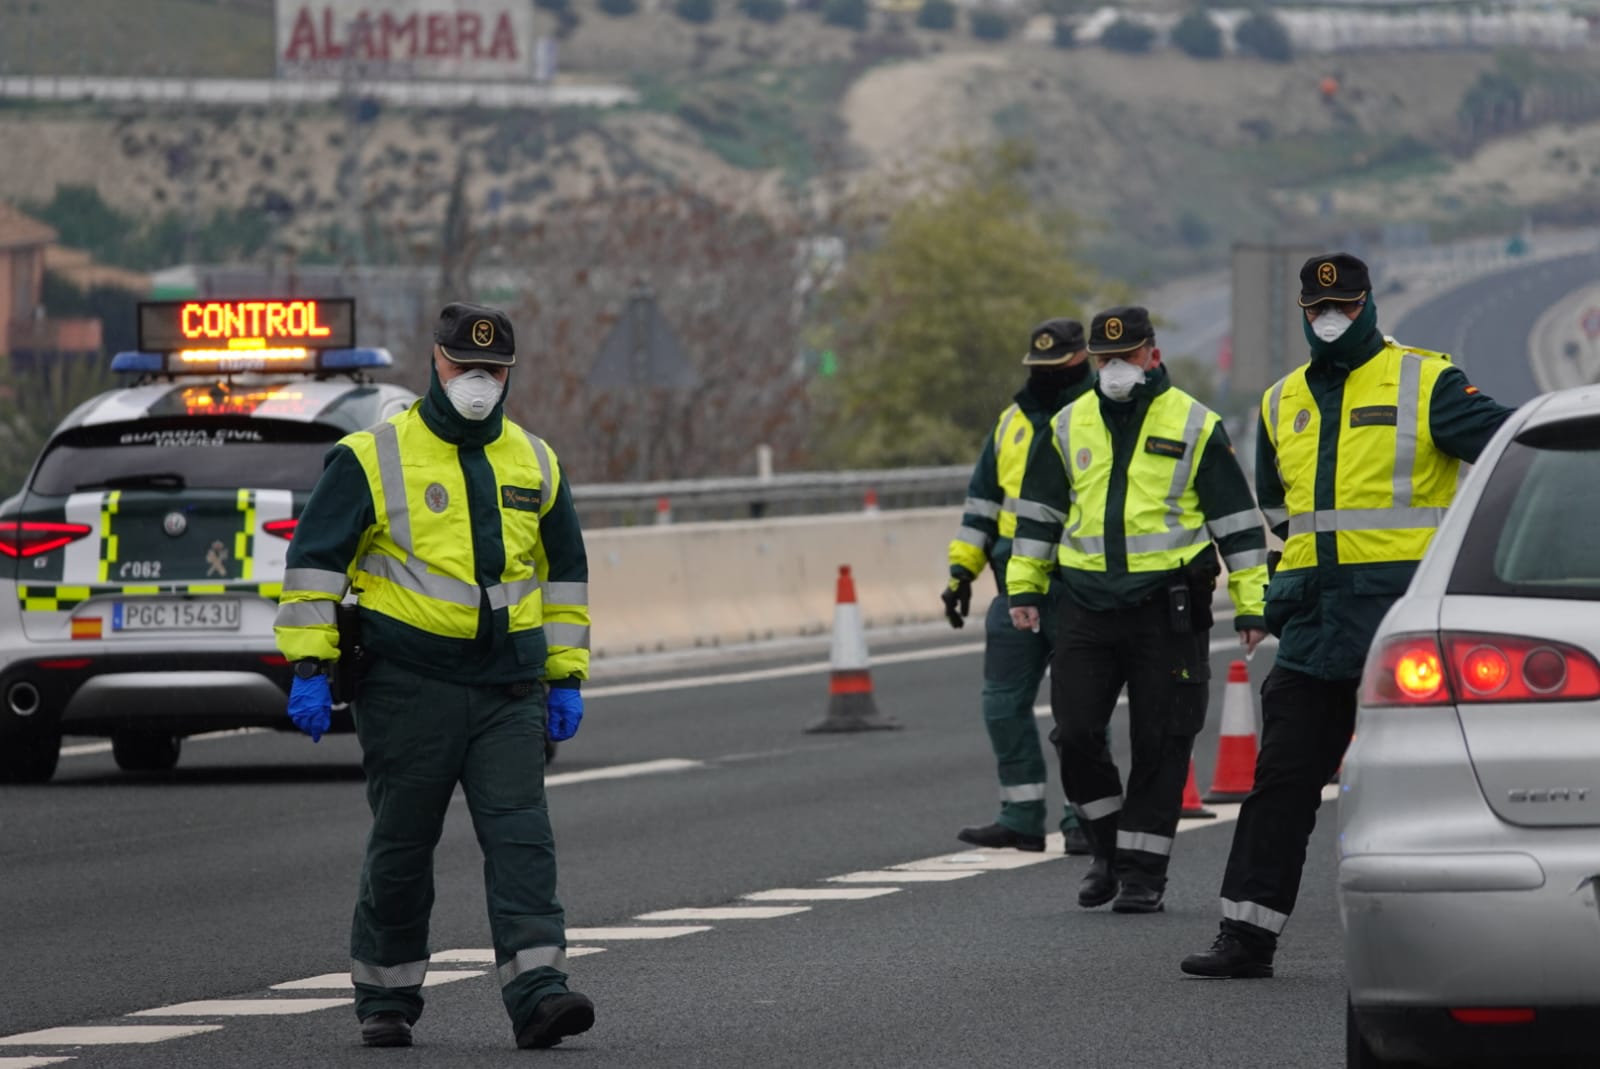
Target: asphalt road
column 1485, row 324
column 121, row 894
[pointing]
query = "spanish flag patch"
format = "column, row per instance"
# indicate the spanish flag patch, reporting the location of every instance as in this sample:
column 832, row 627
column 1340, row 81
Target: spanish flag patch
column 1472, row 389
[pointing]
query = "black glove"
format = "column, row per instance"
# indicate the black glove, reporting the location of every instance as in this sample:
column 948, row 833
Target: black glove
column 957, row 593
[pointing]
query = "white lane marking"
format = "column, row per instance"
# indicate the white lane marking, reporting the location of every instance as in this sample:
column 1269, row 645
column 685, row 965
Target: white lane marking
column 722, row 913
column 87, row 748
column 30, row 1063
column 901, row 876
column 485, row 956
column 819, row 894
column 607, row 935
column 245, row 1007
column 617, row 690
column 642, row 768
column 340, row 981
column 105, row 1035
column 985, row 861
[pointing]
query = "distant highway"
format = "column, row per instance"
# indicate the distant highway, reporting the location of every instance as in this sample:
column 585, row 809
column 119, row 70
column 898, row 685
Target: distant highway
column 1485, row 324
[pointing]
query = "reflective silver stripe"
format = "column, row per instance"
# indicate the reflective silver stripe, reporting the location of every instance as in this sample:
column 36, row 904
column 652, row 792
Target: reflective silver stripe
column 979, row 507
column 530, row 959
column 1232, row 524
column 1144, row 842
column 574, row 635
column 392, row 476
column 1088, row 544
column 1005, row 423
column 1245, row 558
column 1276, row 517
column 1192, row 424
column 1033, row 549
column 1101, row 807
column 1063, row 425
column 973, row 537
column 1254, row 913
column 307, row 614
column 316, row 581
column 1274, row 398
column 411, row 974
column 1324, row 520
column 414, row 577
column 1405, row 428
column 542, row 453
column 1023, row 792
column 566, row 593
column 504, row 595
column 1156, row 542
column 1032, row 510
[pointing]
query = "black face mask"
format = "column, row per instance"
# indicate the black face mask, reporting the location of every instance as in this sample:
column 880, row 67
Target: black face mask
column 1048, row 383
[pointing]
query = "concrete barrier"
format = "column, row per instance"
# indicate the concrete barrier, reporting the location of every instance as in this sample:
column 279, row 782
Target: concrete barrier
column 656, row 589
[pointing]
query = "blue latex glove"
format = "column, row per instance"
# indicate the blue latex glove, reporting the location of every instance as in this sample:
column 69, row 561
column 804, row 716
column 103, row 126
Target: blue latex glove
column 566, row 712
column 311, row 705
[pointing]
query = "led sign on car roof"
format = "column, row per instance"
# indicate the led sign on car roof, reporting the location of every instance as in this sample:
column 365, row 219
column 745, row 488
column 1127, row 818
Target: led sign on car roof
column 247, row 326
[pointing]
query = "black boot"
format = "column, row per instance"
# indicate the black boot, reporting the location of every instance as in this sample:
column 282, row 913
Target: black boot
column 555, row 1018
column 1231, row 957
column 1076, row 842
column 999, row 837
column 1099, row 886
column 1137, row 898
column 386, row 1029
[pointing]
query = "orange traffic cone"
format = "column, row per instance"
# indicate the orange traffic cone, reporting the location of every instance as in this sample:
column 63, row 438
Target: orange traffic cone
column 851, row 706
column 1192, row 809
column 869, row 501
column 1235, row 773
column 663, row 510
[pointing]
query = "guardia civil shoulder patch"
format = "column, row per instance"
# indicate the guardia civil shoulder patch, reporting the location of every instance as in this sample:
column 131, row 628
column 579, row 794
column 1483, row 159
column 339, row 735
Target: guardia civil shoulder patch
column 520, row 498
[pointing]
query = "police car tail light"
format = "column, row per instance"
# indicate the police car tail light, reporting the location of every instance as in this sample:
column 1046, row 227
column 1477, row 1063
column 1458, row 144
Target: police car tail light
column 1406, row 670
column 280, row 528
column 30, row 538
column 1508, row 668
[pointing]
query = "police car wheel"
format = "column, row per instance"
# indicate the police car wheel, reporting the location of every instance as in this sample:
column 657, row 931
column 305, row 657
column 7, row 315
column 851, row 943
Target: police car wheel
column 29, row 758
column 143, row 751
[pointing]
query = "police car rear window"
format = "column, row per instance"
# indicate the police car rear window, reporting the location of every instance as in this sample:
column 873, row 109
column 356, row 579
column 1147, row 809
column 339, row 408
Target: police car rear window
column 1521, row 541
column 186, row 453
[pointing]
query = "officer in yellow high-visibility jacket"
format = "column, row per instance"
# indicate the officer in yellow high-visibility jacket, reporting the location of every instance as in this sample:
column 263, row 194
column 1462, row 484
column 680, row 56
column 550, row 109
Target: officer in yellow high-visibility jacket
column 1014, row 661
column 1128, row 500
column 1356, row 462
column 456, row 531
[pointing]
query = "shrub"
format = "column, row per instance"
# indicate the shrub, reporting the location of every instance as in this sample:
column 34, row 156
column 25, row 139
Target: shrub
column 937, row 15
column 849, row 13
column 989, row 25
column 1126, row 35
column 1263, row 35
column 701, row 11
column 764, row 10
column 619, row 8
column 1198, row 35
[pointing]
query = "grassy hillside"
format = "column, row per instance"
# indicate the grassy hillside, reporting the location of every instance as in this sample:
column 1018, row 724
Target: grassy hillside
column 202, row 38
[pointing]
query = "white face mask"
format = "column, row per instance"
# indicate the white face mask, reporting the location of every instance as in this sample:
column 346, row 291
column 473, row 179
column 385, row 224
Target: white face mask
column 1118, row 378
column 1331, row 325
column 474, row 393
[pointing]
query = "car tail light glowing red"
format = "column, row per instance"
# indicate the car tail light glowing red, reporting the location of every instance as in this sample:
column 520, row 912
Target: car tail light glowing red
column 276, row 660
column 1477, row 669
column 1493, row 1015
column 29, row 538
column 67, row 663
column 281, row 528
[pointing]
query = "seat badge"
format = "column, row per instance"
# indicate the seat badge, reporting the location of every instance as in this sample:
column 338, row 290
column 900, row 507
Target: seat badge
column 175, row 523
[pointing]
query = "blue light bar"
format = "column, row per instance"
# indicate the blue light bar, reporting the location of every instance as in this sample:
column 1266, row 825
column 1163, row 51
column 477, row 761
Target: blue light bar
column 138, row 362
column 350, row 359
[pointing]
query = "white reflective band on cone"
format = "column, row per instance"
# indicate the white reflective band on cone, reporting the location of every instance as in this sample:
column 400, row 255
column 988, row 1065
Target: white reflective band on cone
column 533, row 958
column 1254, row 913
column 411, row 974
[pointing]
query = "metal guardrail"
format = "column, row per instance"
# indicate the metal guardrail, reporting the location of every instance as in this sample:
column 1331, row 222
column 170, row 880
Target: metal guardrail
column 755, row 497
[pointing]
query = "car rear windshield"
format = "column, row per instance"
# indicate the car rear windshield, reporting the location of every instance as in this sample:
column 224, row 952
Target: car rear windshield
column 186, row 453
column 1536, row 531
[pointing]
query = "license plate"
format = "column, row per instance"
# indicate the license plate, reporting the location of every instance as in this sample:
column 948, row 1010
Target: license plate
column 210, row 614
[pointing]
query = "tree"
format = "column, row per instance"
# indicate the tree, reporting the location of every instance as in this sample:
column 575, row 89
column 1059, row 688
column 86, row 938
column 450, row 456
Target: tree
column 937, row 15
column 698, row 11
column 1126, row 35
column 1263, row 35
column 1198, row 35
column 849, row 13
column 34, row 399
column 769, row 11
column 929, row 324
column 989, row 25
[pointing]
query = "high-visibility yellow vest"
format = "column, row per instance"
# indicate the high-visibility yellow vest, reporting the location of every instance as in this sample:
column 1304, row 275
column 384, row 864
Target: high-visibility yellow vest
column 1013, row 436
column 1392, row 486
column 1161, row 516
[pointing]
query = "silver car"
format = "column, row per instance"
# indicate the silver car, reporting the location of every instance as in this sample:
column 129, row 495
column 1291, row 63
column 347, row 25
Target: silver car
column 1469, row 827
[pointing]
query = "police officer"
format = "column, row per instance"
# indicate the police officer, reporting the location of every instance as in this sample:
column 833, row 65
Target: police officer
column 1014, row 661
column 1356, row 462
column 455, row 530
column 1128, row 499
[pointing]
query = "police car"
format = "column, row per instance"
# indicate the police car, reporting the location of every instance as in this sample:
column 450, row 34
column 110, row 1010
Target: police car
column 140, row 565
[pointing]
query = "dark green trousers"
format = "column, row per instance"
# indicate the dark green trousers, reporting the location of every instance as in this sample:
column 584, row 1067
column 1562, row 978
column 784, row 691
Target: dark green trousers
column 1014, row 663
column 420, row 737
